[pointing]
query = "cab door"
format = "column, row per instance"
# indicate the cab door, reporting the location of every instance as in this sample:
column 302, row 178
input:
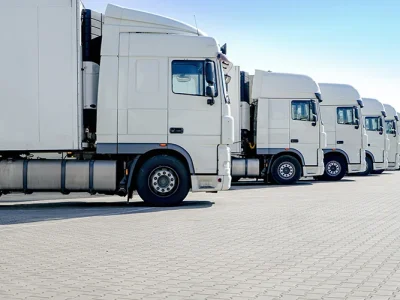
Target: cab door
column 376, row 137
column 304, row 130
column 194, row 119
column 349, row 133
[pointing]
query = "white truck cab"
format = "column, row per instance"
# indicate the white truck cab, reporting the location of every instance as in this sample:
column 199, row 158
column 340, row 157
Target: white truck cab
column 346, row 136
column 279, row 133
column 137, row 100
column 392, row 121
column 378, row 142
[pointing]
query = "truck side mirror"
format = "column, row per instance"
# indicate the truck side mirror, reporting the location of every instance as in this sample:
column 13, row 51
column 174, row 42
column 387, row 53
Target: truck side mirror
column 210, row 92
column 357, row 123
column 356, row 113
column 314, row 116
column 381, row 128
column 314, row 119
column 210, row 73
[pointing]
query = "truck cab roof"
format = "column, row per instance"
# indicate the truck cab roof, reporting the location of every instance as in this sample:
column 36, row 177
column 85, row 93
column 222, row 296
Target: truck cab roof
column 338, row 94
column 283, row 86
column 144, row 22
column 372, row 107
column 390, row 111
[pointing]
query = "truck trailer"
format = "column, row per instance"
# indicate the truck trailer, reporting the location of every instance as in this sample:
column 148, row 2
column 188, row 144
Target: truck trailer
column 391, row 129
column 374, row 115
column 279, row 135
column 346, row 137
column 135, row 101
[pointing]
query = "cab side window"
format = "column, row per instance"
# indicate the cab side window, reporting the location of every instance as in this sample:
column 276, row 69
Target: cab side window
column 372, row 123
column 345, row 115
column 301, row 110
column 390, row 127
column 188, row 77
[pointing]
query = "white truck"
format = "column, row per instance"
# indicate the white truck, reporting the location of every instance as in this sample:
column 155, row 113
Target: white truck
column 378, row 142
column 137, row 100
column 279, row 135
column 392, row 120
column 346, row 136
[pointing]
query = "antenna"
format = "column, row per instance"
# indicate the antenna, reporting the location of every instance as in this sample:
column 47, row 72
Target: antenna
column 197, row 28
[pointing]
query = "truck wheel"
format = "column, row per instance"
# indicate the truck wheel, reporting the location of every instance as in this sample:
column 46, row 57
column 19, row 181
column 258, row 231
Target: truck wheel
column 335, row 168
column 370, row 167
column 163, row 181
column 285, row 170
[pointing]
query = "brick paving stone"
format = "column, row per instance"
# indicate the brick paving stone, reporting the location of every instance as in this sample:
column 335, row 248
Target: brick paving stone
column 314, row 240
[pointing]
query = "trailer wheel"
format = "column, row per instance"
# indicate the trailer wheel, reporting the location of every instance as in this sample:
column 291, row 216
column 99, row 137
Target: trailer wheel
column 285, row 170
column 370, row 167
column 335, row 168
column 163, row 181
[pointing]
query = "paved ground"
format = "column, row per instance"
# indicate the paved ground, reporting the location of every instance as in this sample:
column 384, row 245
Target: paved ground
column 309, row 241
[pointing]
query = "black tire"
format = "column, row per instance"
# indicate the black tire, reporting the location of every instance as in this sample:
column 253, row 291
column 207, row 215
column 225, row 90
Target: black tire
column 335, row 168
column 285, row 170
column 163, row 181
column 378, row 172
column 370, row 167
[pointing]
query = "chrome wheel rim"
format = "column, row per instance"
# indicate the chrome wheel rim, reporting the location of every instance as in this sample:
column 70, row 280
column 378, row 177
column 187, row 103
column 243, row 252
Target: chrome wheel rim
column 163, row 181
column 333, row 168
column 286, row 170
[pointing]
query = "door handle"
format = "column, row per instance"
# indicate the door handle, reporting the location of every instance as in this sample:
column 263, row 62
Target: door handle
column 369, row 145
column 340, row 142
column 176, row 130
column 294, row 140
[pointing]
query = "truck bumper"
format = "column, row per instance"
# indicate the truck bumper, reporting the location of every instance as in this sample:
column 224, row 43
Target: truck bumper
column 211, row 183
column 386, row 159
column 394, row 165
column 380, row 166
column 215, row 183
column 356, row 168
column 310, row 171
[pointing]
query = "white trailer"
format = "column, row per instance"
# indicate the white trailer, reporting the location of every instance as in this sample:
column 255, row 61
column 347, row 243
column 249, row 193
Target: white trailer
column 378, row 142
column 346, row 137
column 278, row 128
column 137, row 99
column 392, row 121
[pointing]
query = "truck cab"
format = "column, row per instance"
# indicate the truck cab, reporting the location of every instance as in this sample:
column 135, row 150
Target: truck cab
column 137, row 100
column 374, row 115
column 346, row 137
column 392, row 121
column 280, row 134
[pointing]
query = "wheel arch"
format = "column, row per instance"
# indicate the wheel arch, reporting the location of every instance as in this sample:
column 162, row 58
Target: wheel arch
column 369, row 153
column 338, row 153
column 293, row 153
column 139, row 160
